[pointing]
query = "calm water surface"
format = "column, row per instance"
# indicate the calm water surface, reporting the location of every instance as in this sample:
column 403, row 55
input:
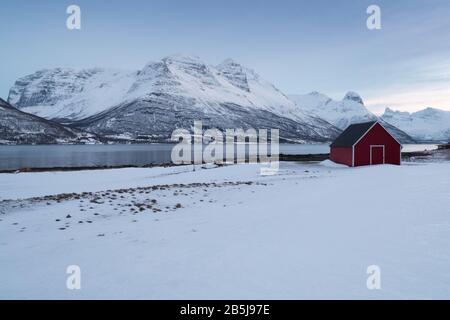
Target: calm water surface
column 47, row 156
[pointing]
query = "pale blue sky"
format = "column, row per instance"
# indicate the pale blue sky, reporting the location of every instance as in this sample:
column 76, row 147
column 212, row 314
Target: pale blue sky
column 300, row 46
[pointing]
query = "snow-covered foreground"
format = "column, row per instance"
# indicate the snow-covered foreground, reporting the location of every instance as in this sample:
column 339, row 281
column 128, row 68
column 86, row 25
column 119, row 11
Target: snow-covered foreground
column 228, row 233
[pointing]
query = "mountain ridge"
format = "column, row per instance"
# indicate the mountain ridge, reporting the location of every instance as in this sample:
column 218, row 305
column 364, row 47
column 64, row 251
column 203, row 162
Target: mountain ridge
column 18, row 127
column 342, row 113
column 173, row 90
column 164, row 95
column 429, row 124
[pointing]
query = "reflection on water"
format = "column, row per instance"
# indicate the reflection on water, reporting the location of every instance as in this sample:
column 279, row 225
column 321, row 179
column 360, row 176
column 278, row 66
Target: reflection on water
column 48, row 156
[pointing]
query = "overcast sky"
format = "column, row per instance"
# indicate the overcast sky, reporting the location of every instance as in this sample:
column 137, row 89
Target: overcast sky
column 300, row 46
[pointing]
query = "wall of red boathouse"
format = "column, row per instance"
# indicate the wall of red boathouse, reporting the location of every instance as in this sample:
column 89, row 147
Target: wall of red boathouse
column 377, row 136
column 341, row 155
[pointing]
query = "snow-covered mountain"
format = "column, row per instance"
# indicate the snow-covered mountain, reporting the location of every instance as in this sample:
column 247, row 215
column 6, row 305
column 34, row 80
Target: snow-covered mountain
column 152, row 102
column 17, row 127
column 165, row 95
column 64, row 93
column 426, row 125
column 342, row 113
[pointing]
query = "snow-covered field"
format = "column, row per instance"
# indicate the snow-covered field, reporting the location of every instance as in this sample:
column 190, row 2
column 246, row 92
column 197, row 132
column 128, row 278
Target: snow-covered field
column 227, row 233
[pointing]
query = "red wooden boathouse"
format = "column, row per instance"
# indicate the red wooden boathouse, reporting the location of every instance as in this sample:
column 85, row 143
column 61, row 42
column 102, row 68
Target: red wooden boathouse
column 367, row 143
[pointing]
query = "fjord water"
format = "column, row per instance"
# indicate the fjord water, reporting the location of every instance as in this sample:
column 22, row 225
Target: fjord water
column 51, row 156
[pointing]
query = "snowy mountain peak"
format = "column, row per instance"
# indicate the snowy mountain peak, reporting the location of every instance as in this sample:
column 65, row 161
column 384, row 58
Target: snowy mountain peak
column 342, row 113
column 429, row 111
column 388, row 112
column 182, row 59
column 353, row 96
column 186, row 68
column 235, row 73
column 339, row 113
column 186, row 63
column 70, row 93
column 318, row 96
column 229, row 62
column 429, row 124
column 47, row 86
column 230, row 65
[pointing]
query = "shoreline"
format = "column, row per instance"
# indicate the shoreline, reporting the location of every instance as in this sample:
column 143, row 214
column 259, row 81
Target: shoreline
column 282, row 157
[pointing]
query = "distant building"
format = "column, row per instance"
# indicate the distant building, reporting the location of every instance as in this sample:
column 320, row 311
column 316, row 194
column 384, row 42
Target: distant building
column 367, row 143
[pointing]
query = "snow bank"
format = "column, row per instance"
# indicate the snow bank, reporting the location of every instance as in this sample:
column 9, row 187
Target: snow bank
column 309, row 232
column 330, row 164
